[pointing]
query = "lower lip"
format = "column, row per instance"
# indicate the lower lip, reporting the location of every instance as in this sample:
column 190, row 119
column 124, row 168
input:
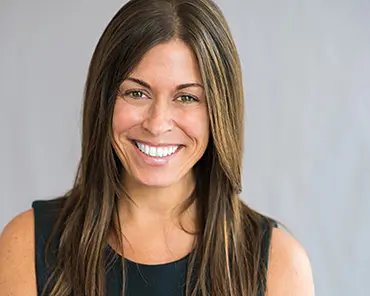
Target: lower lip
column 155, row 161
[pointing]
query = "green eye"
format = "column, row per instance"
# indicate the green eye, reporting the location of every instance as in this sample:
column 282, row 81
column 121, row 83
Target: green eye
column 136, row 94
column 186, row 99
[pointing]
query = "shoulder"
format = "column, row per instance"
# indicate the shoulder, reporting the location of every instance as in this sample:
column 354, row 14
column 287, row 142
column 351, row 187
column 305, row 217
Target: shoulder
column 289, row 272
column 17, row 256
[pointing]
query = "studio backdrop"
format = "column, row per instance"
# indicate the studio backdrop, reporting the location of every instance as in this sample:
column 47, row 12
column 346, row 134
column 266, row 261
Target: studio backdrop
column 306, row 72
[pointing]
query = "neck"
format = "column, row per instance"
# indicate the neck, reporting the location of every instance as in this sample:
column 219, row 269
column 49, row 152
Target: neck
column 154, row 204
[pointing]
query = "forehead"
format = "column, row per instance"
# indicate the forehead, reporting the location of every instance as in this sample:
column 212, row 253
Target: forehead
column 173, row 62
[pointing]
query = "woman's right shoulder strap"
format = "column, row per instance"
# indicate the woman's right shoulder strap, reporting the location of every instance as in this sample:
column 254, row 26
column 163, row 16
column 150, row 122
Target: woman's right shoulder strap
column 46, row 213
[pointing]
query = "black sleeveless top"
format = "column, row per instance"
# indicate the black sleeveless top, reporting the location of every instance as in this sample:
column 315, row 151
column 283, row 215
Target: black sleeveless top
column 142, row 280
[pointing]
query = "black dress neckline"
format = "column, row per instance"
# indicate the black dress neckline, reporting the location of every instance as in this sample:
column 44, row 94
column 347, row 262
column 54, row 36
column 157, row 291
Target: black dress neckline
column 148, row 266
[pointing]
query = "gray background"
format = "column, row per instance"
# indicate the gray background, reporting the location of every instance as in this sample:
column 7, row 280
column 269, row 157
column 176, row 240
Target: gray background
column 306, row 72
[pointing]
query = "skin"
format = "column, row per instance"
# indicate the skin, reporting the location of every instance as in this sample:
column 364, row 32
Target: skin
column 162, row 102
column 150, row 224
column 289, row 272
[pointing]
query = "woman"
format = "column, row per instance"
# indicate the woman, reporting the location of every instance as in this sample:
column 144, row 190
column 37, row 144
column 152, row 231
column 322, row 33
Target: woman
column 155, row 207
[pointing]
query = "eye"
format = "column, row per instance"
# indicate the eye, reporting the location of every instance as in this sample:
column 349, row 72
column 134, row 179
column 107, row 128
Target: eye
column 137, row 94
column 186, row 99
column 132, row 94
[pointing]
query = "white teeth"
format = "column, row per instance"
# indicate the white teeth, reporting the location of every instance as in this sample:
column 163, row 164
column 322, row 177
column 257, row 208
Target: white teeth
column 156, row 151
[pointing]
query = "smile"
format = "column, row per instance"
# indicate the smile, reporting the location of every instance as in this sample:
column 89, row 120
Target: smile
column 156, row 151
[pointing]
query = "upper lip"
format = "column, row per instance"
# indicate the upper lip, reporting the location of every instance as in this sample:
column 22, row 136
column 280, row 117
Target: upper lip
column 155, row 144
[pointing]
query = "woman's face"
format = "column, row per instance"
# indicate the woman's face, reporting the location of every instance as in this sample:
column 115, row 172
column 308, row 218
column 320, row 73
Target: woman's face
column 160, row 120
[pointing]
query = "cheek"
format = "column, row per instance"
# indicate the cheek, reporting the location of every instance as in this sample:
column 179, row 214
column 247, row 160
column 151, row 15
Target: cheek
column 196, row 125
column 125, row 116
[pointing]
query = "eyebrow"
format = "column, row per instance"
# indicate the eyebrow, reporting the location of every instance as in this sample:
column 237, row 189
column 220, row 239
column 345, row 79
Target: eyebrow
column 180, row 86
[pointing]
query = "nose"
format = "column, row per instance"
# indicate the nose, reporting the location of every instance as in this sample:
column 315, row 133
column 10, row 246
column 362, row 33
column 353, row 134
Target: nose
column 159, row 118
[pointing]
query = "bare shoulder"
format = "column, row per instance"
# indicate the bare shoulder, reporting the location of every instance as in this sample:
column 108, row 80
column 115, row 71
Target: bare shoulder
column 17, row 259
column 289, row 272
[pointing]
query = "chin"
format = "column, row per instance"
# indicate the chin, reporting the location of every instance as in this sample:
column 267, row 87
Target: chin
column 157, row 180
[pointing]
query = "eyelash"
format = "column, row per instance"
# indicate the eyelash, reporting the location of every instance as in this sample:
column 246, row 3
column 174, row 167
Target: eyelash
column 130, row 92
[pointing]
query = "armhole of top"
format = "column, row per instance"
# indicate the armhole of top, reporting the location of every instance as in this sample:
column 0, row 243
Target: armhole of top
column 269, row 225
column 45, row 216
column 266, row 241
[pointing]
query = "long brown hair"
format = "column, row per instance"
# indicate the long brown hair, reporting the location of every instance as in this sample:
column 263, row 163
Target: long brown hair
column 226, row 259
